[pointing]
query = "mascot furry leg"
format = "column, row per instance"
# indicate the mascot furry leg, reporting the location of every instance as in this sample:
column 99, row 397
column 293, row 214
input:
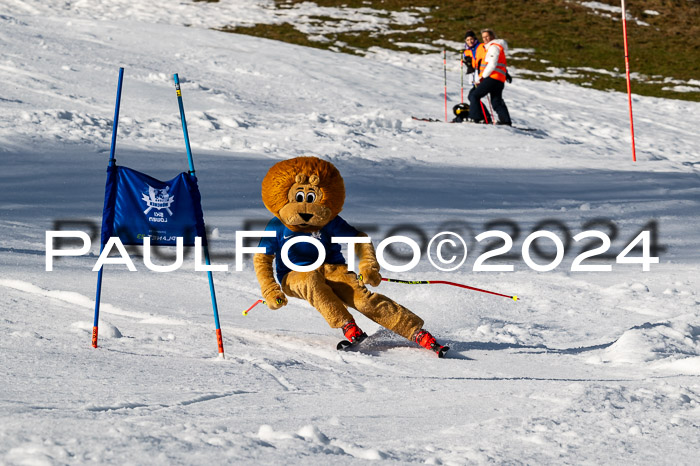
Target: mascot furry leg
column 331, row 289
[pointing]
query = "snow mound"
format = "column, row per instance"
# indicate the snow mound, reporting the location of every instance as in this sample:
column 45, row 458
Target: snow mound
column 312, row 434
column 690, row 366
column 268, row 434
column 677, row 341
column 310, row 439
column 511, row 333
column 65, row 125
column 106, row 330
column 628, row 288
column 37, row 454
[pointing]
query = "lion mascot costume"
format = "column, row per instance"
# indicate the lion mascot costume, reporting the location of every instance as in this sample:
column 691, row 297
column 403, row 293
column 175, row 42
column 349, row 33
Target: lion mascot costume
column 306, row 194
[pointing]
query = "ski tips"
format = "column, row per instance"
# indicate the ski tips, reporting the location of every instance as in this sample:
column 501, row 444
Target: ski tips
column 343, row 345
column 515, row 298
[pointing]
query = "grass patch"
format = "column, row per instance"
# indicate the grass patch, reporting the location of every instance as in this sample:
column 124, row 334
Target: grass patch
column 564, row 35
column 284, row 32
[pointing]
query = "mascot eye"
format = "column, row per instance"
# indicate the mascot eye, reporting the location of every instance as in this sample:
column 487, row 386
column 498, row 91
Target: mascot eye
column 310, row 197
column 299, row 196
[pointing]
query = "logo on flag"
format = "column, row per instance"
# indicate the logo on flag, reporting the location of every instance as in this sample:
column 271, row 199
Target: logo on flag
column 158, row 199
column 135, row 207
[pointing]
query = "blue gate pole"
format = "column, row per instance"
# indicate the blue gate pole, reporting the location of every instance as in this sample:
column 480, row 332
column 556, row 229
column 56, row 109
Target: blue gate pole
column 219, row 338
column 112, row 161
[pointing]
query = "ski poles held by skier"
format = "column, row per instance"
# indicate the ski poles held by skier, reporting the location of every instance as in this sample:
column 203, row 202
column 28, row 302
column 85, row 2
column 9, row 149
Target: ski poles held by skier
column 414, row 282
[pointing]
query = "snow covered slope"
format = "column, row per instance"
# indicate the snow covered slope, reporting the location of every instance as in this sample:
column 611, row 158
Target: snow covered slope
column 587, row 367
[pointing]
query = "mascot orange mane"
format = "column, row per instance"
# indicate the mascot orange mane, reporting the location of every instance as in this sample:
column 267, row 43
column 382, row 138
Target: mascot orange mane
column 306, row 194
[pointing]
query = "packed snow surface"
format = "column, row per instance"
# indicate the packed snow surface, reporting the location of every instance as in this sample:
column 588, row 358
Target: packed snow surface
column 587, row 367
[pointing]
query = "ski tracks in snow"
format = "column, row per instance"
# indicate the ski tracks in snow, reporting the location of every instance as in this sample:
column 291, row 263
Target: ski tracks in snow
column 283, row 374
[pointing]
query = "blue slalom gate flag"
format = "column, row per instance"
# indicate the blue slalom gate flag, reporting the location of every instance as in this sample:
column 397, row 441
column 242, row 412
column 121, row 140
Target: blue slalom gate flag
column 138, row 206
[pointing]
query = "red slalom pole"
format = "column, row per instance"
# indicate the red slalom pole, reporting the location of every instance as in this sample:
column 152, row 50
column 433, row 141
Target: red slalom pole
column 627, row 69
column 461, row 74
column 444, row 67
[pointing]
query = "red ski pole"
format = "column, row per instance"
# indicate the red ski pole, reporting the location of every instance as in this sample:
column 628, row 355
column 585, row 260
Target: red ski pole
column 259, row 301
column 441, row 282
column 245, row 313
column 483, row 110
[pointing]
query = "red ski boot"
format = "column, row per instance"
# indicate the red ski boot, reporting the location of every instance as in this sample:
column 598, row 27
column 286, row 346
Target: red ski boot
column 353, row 334
column 427, row 341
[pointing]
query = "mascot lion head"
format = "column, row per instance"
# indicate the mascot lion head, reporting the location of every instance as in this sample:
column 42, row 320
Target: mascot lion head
column 305, row 193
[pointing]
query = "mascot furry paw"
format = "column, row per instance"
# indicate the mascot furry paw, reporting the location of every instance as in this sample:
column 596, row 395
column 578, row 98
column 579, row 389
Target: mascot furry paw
column 305, row 195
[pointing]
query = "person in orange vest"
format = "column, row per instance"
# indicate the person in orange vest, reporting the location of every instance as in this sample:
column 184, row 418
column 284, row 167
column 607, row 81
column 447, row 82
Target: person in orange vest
column 473, row 49
column 491, row 79
column 473, row 53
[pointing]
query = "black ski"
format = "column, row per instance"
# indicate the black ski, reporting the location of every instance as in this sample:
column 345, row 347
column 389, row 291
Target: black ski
column 517, row 128
column 522, row 128
column 344, row 345
column 426, row 119
column 441, row 351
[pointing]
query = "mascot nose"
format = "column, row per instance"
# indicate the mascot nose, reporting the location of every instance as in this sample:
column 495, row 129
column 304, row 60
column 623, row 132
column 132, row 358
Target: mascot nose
column 306, row 217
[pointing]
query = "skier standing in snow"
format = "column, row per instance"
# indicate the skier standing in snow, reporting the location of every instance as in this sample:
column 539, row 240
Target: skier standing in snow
column 490, row 80
column 473, row 53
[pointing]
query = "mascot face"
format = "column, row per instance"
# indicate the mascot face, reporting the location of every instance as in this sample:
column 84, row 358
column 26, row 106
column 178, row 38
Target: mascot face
column 305, row 193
